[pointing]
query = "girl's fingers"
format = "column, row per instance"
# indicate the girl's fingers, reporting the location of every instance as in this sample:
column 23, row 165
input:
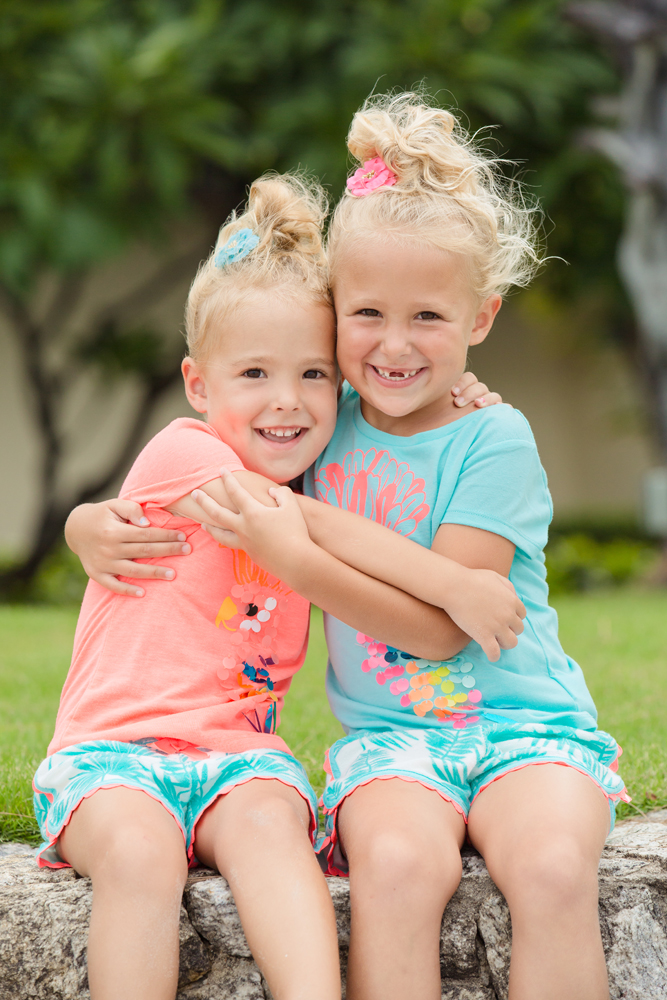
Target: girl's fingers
column 129, row 511
column 466, row 380
column 155, row 550
column 131, row 533
column 238, row 494
column 508, row 639
column 476, row 391
column 117, row 586
column 143, row 571
column 492, row 649
column 489, row 399
column 281, row 494
column 222, row 536
column 214, row 512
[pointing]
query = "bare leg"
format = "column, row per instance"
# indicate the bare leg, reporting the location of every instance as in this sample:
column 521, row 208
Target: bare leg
column 541, row 831
column 403, row 843
column 133, row 850
column 257, row 837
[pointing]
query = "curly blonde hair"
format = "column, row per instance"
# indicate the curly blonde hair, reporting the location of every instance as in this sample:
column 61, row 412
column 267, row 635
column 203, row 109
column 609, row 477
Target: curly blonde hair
column 448, row 192
column 286, row 212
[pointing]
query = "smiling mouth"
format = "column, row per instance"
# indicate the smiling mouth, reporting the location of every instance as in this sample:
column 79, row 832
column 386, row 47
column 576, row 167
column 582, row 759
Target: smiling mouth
column 280, row 435
column 396, row 375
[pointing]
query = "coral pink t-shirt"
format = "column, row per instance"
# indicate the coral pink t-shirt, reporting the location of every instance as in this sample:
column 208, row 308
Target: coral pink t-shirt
column 206, row 658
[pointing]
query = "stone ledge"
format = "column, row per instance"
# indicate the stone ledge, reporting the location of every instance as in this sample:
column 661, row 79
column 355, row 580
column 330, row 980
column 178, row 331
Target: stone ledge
column 44, row 924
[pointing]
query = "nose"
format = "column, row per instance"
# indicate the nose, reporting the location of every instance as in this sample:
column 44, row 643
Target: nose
column 287, row 397
column 395, row 343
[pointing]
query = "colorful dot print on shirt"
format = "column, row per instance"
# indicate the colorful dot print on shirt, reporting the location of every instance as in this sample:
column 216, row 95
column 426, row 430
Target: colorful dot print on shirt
column 445, row 688
column 251, row 614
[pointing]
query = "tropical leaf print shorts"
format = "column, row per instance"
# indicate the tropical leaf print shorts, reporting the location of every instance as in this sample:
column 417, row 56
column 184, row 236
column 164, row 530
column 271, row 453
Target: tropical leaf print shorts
column 458, row 764
column 185, row 779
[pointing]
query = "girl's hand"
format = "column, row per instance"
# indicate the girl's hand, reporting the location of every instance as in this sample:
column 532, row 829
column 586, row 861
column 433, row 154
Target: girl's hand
column 485, row 605
column 273, row 537
column 469, row 390
column 107, row 536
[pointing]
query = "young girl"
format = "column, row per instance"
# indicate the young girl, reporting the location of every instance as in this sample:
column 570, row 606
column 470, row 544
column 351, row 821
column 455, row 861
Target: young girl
column 165, row 745
column 421, row 248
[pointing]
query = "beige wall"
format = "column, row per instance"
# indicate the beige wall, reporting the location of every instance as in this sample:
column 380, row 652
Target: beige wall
column 582, row 402
column 584, row 405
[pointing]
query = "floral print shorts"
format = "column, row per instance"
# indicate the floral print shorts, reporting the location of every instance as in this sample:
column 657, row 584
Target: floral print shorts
column 185, row 779
column 458, row 764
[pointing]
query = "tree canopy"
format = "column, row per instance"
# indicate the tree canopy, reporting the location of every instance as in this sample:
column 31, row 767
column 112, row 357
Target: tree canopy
column 122, row 116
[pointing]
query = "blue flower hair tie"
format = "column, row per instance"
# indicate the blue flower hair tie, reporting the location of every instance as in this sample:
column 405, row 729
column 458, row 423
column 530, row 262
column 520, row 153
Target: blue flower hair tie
column 238, row 246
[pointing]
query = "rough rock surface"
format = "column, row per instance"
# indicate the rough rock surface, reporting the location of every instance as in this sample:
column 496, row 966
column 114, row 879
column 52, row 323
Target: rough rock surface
column 44, row 925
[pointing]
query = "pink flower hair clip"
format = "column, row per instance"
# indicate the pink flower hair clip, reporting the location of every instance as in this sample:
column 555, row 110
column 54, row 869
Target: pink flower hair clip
column 372, row 175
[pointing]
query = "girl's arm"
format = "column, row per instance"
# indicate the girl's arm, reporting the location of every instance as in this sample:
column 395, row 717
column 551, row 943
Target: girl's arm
column 108, row 536
column 484, row 603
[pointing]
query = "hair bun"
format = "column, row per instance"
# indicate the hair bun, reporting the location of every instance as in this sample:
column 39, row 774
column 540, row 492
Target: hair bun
column 424, row 146
column 286, row 212
column 448, row 192
column 282, row 250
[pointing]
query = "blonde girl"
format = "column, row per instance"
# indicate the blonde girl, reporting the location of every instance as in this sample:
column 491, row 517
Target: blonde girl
column 165, row 750
column 423, row 245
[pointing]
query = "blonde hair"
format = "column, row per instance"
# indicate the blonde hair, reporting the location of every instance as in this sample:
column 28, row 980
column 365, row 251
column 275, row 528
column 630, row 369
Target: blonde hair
column 448, row 192
column 286, row 212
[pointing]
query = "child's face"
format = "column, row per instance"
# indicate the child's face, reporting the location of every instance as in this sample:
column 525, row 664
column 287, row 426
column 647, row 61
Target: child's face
column 406, row 315
column 270, row 387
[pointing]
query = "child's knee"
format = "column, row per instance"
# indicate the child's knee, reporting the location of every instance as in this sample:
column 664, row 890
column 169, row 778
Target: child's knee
column 556, row 875
column 392, row 858
column 134, row 854
column 271, row 813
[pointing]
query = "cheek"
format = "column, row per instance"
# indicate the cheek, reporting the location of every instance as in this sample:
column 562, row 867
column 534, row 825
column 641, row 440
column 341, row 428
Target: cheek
column 235, row 411
column 353, row 345
column 445, row 350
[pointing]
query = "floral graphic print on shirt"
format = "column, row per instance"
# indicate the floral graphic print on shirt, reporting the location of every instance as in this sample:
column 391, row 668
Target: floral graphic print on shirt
column 251, row 613
column 374, row 484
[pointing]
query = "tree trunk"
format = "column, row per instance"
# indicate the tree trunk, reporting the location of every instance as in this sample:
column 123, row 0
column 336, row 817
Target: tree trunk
column 637, row 31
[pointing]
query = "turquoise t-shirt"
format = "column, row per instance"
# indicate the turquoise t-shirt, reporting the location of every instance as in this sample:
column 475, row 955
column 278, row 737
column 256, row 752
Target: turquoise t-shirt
column 482, row 470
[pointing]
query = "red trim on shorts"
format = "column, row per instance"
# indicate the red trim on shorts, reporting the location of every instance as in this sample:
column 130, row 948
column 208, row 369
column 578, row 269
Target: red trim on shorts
column 611, row 796
column 312, row 829
column 42, row 863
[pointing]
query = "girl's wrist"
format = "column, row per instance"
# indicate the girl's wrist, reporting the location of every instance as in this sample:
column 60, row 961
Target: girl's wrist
column 296, row 569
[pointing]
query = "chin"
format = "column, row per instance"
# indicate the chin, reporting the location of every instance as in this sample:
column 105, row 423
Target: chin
column 393, row 407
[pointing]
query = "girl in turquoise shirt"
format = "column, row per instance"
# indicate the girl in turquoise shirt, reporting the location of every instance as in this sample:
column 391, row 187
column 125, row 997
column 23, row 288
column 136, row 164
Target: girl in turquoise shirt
column 421, row 249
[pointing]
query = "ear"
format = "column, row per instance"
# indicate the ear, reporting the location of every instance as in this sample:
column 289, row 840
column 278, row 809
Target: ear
column 484, row 319
column 195, row 385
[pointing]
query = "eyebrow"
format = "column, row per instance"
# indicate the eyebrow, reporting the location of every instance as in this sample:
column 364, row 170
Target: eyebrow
column 320, row 361
column 262, row 361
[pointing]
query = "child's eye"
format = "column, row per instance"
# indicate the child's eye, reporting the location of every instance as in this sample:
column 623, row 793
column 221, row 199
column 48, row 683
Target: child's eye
column 368, row 312
column 425, row 314
column 254, row 373
column 314, row 373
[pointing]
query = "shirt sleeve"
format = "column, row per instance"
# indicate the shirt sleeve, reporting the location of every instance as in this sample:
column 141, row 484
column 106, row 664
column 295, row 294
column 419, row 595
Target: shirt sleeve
column 502, row 487
column 181, row 458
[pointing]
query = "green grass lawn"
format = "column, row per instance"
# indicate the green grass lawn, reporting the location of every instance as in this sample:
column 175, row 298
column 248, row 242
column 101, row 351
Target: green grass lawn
column 618, row 637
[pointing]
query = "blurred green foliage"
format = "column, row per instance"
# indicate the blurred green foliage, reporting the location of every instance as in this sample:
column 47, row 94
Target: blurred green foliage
column 122, row 116
column 580, row 562
column 117, row 115
column 61, row 579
